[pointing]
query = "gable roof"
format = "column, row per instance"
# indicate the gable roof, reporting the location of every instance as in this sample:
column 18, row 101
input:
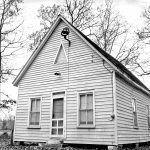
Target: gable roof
column 111, row 60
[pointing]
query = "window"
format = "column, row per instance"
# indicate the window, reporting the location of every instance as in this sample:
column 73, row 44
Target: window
column 34, row 114
column 148, row 116
column 135, row 122
column 58, row 108
column 86, row 110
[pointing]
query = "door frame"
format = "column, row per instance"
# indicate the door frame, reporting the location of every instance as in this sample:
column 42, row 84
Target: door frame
column 63, row 95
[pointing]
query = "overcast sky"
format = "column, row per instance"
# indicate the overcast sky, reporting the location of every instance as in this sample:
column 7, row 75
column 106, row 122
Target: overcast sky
column 130, row 9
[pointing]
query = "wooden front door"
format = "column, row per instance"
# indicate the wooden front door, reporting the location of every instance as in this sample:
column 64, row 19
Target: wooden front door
column 57, row 122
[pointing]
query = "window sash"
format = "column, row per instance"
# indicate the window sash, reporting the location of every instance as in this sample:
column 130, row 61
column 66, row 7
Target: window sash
column 86, row 109
column 148, row 119
column 58, row 108
column 134, row 105
column 135, row 120
column 148, row 116
column 57, row 127
column 34, row 118
column 34, row 114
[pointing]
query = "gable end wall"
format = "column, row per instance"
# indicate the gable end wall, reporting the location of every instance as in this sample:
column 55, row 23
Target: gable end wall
column 84, row 72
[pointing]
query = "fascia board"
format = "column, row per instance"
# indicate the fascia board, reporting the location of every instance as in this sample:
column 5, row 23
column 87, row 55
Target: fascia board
column 35, row 53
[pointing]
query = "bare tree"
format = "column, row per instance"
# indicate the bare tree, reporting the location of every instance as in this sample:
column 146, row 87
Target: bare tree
column 112, row 33
column 10, row 41
column 144, row 36
column 111, row 27
column 144, row 33
column 117, row 38
column 7, row 102
column 78, row 12
column 47, row 16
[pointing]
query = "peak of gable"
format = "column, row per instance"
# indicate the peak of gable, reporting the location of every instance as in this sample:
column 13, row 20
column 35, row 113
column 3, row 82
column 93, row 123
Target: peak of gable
column 118, row 67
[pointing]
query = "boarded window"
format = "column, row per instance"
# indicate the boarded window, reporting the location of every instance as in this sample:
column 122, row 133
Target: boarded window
column 86, row 109
column 35, row 111
column 134, row 110
column 61, row 56
column 148, row 116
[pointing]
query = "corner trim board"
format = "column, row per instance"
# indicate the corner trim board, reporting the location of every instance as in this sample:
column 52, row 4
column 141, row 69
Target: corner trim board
column 115, row 107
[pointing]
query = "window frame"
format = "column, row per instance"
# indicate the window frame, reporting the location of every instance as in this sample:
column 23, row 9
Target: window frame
column 148, row 115
column 29, row 110
column 78, row 109
column 134, row 112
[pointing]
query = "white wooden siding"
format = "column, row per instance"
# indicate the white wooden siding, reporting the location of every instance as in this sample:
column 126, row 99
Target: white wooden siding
column 40, row 80
column 126, row 132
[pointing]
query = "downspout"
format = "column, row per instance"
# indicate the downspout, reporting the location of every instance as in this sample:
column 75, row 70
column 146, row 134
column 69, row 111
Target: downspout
column 115, row 108
column 114, row 102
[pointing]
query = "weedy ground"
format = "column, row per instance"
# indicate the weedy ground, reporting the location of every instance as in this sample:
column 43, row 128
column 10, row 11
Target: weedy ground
column 5, row 145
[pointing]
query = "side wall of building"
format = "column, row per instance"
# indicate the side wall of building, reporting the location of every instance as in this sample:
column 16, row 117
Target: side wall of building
column 126, row 131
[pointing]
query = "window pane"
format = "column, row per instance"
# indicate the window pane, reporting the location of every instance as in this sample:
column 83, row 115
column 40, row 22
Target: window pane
column 135, row 119
column 37, row 119
column 60, row 123
column 82, row 101
column 60, row 131
column 58, row 108
column 147, row 109
column 90, row 117
column 54, row 123
column 54, row 131
column 148, row 122
column 33, row 105
column 57, row 115
column 82, row 116
column 89, row 101
column 38, row 105
column 32, row 118
column 148, row 116
column 134, row 105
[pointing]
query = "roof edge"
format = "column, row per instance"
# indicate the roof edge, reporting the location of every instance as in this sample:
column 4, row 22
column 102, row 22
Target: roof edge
column 133, row 83
column 36, row 51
